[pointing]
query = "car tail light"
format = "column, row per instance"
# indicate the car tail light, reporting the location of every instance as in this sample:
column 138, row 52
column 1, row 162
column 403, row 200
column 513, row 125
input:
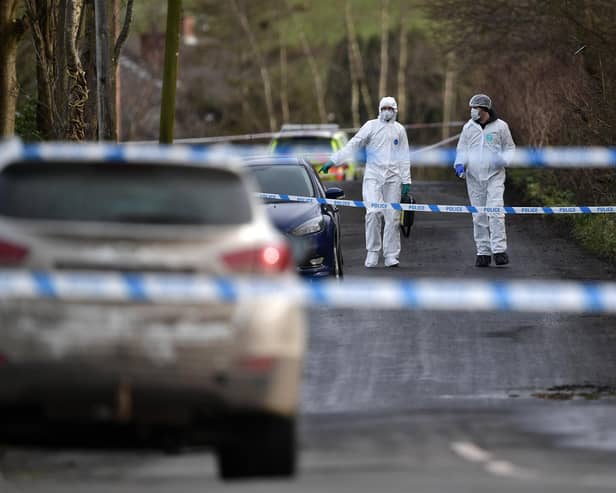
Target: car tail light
column 11, row 254
column 263, row 260
column 257, row 364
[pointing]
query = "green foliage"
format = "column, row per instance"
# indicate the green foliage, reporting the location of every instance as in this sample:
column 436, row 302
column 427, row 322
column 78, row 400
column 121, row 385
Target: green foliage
column 595, row 232
column 25, row 121
column 324, row 20
column 598, row 234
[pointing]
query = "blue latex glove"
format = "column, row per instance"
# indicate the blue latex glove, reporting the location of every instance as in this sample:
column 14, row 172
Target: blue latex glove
column 326, row 166
column 460, row 173
column 406, row 188
column 499, row 162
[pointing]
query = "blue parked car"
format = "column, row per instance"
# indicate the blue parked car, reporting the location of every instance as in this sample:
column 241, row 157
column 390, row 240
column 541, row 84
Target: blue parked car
column 312, row 229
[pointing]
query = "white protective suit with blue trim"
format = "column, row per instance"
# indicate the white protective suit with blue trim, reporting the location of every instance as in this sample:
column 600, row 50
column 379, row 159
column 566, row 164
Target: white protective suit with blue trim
column 388, row 166
column 485, row 152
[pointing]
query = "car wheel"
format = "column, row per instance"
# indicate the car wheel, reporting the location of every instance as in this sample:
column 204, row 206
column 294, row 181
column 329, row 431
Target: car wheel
column 264, row 446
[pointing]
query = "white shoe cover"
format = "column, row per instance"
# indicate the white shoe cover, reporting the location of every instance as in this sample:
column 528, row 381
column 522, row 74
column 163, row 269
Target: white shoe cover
column 372, row 259
column 391, row 261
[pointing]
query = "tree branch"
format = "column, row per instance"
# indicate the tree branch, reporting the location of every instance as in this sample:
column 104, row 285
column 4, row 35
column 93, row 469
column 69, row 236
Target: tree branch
column 123, row 33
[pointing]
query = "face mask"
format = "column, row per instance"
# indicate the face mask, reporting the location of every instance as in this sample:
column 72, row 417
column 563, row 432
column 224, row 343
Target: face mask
column 475, row 113
column 387, row 115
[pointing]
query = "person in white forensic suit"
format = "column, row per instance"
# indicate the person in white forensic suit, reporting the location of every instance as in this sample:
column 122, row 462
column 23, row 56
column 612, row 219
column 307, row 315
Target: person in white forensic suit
column 387, row 176
column 484, row 149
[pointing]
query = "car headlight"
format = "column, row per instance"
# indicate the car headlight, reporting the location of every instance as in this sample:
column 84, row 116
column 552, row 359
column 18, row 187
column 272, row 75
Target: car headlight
column 311, row 226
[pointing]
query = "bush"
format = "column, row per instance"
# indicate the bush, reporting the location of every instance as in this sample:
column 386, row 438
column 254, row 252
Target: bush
column 25, row 121
column 595, row 232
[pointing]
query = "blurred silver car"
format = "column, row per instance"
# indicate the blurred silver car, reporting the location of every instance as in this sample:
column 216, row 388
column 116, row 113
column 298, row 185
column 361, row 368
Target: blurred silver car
column 233, row 368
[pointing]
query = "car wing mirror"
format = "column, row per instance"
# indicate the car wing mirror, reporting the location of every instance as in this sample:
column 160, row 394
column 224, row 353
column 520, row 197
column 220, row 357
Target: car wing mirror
column 334, row 193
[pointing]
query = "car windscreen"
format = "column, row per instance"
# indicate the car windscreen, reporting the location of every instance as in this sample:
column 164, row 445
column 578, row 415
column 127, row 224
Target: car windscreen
column 288, row 179
column 124, row 193
column 303, row 144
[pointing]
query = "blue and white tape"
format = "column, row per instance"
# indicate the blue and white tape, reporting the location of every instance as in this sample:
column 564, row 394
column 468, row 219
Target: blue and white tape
column 608, row 209
column 548, row 157
column 414, row 294
column 528, row 157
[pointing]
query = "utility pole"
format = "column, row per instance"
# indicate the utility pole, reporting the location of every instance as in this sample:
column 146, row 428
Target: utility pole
column 172, row 47
column 104, row 77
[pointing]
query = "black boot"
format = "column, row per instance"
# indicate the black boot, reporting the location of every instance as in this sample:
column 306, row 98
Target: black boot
column 501, row 258
column 483, row 261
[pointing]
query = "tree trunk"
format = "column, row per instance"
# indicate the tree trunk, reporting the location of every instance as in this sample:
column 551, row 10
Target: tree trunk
column 172, row 47
column 319, row 93
column 104, row 70
column 263, row 70
column 88, row 60
column 11, row 30
column 41, row 19
column 402, row 64
column 77, row 82
column 284, row 63
column 448, row 94
column 359, row 65
column 248, row 113
column 121, row 35
column 354, row 85
column 384, row 48
column 284, row 83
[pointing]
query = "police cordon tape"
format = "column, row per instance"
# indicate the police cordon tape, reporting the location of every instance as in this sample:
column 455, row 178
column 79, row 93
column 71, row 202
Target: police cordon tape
column 522, row 157
column 295, row 128
column 463, row 209
column 549, row 157
column 374, row 293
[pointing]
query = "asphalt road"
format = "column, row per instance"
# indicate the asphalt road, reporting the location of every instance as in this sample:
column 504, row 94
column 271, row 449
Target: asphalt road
column 418, row 401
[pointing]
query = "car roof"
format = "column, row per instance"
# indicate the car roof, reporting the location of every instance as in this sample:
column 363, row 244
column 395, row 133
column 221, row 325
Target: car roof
column 319, row 130
column 275, row 159
column 13, row 151
column 325, row 134
column 287, row 127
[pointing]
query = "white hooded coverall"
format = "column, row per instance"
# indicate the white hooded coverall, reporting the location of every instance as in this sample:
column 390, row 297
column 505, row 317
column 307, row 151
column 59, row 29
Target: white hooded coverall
column 484, row 152
column 388, row 166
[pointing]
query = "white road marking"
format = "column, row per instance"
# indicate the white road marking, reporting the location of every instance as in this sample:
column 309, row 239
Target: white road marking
column 473, row 453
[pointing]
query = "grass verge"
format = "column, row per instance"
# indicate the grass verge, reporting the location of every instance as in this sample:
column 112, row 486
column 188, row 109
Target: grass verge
column 595, row 232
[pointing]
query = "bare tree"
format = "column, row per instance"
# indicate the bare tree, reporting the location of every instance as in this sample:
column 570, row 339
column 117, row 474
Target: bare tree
column 354, row 85
column 448, row 94
column 357, row 59
column 248, row 112
column 384, row 47
column 319, row 93
column 240, row 13
column 11, row 30
column 76, row 77
column 42, row 20
column 403, row 60
column 123, row 35
column 284, row 80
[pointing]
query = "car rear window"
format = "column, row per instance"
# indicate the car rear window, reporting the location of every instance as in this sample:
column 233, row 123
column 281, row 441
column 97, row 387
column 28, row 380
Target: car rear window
column 282, row 178
column 124, row 193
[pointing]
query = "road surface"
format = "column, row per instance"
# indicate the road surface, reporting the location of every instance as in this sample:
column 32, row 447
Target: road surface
column 417, row 401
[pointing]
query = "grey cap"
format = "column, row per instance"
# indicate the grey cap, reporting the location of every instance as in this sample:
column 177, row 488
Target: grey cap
column 481, row 100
